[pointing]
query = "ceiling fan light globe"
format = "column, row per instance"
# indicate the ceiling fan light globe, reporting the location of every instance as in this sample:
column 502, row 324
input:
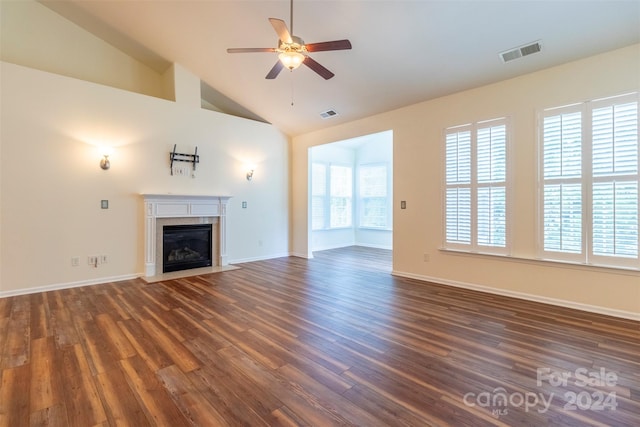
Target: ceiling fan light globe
column 291, row 59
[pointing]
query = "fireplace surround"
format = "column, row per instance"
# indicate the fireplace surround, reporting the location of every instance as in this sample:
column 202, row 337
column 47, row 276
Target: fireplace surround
column 170, row 210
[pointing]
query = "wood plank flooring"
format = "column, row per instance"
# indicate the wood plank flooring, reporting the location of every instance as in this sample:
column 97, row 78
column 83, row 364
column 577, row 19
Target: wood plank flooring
column 335, row 340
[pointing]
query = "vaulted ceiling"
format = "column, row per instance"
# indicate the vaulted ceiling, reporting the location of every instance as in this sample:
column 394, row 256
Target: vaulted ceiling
column 403, row 52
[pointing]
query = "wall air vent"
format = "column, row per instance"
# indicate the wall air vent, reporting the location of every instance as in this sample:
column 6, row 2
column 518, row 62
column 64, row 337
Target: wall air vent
column 328, row 114
column 521, row 51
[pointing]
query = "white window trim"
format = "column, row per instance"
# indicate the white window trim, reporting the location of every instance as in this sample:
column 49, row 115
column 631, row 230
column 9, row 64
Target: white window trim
column 474, row 247
column 586, row 257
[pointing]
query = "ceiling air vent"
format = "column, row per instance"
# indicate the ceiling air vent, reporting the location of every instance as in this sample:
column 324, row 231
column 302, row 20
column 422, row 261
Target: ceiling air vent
column 521, row 51
column 328, row 114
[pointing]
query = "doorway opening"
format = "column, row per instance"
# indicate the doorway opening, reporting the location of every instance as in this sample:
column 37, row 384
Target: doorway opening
column 351, row 193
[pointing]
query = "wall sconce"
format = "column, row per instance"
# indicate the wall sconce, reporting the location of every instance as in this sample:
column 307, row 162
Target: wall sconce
column 105, row 163
column 250, row 175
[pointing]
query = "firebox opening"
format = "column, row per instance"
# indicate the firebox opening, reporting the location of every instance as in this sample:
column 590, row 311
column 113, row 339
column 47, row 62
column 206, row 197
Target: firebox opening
column 186, row 247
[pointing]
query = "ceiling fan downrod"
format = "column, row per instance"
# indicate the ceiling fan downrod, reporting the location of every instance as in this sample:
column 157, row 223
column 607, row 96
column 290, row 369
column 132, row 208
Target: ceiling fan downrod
column 291, row 16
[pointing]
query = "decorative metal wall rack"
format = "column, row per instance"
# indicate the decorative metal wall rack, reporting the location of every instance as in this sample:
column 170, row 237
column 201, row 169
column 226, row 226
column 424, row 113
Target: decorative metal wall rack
column 180, row 157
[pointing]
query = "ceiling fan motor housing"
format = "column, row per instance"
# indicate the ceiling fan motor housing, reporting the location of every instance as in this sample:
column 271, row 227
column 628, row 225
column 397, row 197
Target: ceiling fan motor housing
column 296, row 45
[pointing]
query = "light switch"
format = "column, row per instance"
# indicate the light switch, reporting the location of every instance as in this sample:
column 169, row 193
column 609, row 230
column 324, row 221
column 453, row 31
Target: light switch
column 104, row 204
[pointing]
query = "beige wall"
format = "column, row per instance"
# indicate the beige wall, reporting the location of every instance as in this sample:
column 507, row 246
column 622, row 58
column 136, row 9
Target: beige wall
column 34, row 36
column 69, row 94
column 52, row 185
column 418, row 131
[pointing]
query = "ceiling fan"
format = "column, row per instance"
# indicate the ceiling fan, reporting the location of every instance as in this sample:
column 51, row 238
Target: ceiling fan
column 292, row 51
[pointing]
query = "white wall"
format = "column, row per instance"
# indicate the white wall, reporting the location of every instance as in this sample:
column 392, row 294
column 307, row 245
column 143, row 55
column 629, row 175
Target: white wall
column 417, row 156
column 52, row 184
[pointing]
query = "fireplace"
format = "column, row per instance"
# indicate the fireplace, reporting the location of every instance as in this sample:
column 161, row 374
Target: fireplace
column 186, row 246
column 162, row 210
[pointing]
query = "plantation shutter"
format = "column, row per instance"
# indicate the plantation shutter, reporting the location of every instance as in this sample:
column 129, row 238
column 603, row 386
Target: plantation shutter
column 615, row 180
column 458, row 187
column 590, row 174
column 562, row 172
column 476, row 187
column 491, row 178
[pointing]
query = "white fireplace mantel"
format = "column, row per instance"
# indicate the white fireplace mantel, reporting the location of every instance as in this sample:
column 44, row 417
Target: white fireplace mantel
column 158, row 206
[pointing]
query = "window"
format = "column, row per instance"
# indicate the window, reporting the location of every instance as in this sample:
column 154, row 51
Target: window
column 373, row 196
column 331, row 192
column 476, row 187
column 318, row 195
column 341, row 183
column 589, row 189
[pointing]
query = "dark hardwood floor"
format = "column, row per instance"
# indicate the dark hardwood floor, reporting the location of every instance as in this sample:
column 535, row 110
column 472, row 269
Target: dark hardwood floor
column 335, row 340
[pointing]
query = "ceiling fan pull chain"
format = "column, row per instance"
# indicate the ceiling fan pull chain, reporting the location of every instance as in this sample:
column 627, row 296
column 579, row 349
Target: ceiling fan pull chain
column 291, row 72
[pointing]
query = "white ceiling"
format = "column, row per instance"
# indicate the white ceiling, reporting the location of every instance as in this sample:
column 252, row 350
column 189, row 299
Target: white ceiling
column 403, row 52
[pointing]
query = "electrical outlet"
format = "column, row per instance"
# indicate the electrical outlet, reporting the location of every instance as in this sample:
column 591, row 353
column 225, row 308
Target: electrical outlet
column 75, row 261
column 426, row 257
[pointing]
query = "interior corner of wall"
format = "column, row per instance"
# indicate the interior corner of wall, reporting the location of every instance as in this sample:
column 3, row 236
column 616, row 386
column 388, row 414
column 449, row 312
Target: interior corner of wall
column 186, row 86
column 169, row 83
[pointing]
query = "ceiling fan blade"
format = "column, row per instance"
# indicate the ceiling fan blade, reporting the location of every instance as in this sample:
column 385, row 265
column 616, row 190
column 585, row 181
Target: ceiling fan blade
column 275, row 71
column 333, row 45
column 250, row 49
column 315, row 66
column 281, row 30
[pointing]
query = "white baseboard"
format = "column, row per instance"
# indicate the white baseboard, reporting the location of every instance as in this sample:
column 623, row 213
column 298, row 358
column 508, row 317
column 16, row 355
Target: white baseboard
column 260, row 258
column 521, row 295
column 59, row 286
column 302, row 255
column 367, row 245
column 328, row 248
column 101, row 280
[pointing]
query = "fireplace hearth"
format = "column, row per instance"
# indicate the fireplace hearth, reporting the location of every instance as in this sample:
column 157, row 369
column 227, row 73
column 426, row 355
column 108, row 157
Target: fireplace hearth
column 186, row 246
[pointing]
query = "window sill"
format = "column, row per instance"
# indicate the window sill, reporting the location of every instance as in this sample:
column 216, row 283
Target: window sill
column 627, row 271
column 334, row 228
